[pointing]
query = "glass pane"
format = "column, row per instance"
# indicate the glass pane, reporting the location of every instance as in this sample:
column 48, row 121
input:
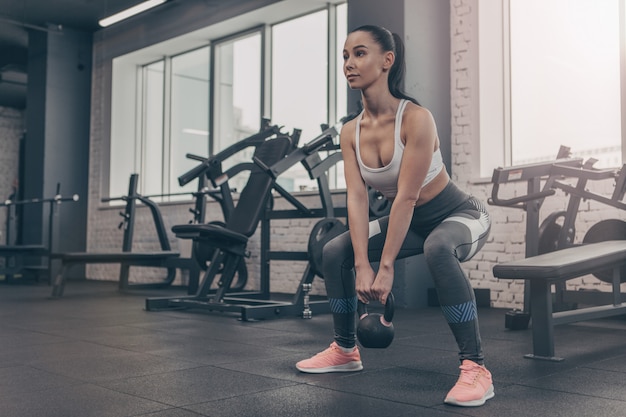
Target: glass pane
column 237, row 107
column 336, row 177
column 189, row 114
column 124, row 159
column 565, row 80
column 342, row 86
column 152, row 144
column 300, row 84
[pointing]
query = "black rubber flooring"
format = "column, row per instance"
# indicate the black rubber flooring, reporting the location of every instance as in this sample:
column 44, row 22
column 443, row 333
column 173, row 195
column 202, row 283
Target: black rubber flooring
column 97, row 352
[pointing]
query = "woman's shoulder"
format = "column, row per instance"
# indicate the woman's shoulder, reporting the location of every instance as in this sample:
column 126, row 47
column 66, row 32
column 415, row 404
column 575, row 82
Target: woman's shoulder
column 414, row 113
column 416, row 110
column 348, row 133
column 349, row 128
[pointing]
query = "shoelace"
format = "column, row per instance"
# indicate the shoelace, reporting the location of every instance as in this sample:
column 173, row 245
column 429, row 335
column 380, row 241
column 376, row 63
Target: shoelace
column 331, row 349
column 469, row 374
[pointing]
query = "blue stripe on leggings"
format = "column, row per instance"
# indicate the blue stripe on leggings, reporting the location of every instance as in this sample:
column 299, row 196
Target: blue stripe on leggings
column 460, row 313
column 343, row 305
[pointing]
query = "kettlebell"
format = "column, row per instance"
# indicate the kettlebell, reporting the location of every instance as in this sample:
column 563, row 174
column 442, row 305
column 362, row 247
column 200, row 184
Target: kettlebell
column 375, row 330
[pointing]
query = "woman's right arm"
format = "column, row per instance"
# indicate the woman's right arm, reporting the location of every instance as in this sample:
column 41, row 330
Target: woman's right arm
column 358, row 212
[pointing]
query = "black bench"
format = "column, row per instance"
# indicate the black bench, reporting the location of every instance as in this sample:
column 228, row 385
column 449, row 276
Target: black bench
column 550, row 268
column 160, row 259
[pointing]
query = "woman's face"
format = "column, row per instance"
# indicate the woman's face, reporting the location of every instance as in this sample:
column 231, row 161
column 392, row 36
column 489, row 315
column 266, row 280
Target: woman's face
column 364, row 62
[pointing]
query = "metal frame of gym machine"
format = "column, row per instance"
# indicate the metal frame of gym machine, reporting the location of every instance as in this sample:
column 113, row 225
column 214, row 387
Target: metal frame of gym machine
column 549, row 235
column 14, row 253
column 128, row 225
column 221, row 193
column 255, row 305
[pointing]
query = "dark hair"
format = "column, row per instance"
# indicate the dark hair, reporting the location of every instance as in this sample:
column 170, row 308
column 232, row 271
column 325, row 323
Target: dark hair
column 389, row 41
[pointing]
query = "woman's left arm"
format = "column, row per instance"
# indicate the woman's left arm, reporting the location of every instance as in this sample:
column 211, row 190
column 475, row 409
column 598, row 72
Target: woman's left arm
column 420, row 136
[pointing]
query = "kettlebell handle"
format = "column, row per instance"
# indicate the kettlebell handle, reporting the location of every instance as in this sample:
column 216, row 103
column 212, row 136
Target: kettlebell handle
column 389, row 310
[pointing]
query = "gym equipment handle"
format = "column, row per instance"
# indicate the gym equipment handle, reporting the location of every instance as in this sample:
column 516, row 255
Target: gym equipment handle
column 496, row 201
column 220, row 157
column 193, row 173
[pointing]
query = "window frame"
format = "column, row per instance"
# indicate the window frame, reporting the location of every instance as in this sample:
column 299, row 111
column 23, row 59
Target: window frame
column 494, row 85
column 145, row 56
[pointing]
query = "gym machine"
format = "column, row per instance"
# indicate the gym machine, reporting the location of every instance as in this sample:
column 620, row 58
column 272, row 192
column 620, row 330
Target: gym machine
column 254, row 305
column 557, row 230
column 165, row 257
column 212, row 169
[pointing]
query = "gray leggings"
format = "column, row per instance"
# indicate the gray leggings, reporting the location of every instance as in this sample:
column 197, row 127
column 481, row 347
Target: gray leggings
column 448, row 230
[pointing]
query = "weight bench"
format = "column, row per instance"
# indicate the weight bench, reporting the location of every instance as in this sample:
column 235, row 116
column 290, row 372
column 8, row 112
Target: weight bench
column 163, row 259
column 557, row 267
column 14, row 257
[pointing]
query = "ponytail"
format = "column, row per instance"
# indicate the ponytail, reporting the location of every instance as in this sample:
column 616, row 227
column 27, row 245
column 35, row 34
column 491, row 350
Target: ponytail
column 391, row 42
column 398, row 70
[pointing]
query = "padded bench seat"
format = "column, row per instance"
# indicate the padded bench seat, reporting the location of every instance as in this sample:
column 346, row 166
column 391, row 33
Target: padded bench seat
column 163, row 259
column 544, row 270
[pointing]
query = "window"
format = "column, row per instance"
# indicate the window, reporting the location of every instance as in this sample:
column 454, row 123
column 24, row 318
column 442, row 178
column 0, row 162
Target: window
column 151, row 153
column 237, row 97
column 308, row 86
column 336, row 178
column 557, row 72
column 300, row 83
column 202, row 99
column 189, row 125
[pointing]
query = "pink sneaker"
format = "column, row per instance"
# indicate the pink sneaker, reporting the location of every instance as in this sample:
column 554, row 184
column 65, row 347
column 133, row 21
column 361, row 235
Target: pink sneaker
column 332, row 359
column 473, row 388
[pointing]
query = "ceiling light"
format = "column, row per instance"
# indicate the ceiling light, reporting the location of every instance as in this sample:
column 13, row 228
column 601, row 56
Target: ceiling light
column 131, row 11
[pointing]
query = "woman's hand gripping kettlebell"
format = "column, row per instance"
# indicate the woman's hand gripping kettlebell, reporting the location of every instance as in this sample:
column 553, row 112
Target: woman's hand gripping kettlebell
column 375, row 330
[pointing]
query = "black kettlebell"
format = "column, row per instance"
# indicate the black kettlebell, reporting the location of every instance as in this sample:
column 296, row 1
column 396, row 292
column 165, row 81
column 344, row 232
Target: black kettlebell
column 375, row 330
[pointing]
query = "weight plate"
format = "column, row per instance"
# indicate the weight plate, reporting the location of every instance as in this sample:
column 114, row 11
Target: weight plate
column 610, row 229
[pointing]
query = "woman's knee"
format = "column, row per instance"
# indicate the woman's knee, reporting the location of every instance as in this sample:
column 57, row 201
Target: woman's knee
column 439, row 250
column 338, row 252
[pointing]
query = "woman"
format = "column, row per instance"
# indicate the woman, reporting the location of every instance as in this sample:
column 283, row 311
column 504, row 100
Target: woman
column 393, row 147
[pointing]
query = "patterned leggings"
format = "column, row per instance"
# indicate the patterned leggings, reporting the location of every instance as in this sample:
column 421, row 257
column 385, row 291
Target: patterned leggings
column 448, row 230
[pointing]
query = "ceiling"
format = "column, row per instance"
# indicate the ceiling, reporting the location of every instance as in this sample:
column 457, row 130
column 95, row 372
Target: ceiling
column 17, row 17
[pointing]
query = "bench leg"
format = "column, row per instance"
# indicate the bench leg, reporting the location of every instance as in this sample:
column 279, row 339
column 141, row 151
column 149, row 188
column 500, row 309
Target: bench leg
column 123, row 282
column 58, row 284
column 542, row 323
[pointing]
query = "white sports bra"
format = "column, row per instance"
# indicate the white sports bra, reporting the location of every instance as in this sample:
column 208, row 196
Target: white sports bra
column 385, row 179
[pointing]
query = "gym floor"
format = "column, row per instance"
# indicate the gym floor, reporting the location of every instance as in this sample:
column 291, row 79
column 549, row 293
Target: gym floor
column 97, row 352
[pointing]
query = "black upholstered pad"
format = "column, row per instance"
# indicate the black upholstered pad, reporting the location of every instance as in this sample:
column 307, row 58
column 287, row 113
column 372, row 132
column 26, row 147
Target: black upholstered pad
column 252, row 202
column 113, row 257
column 565, row 263
column 208, row 231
